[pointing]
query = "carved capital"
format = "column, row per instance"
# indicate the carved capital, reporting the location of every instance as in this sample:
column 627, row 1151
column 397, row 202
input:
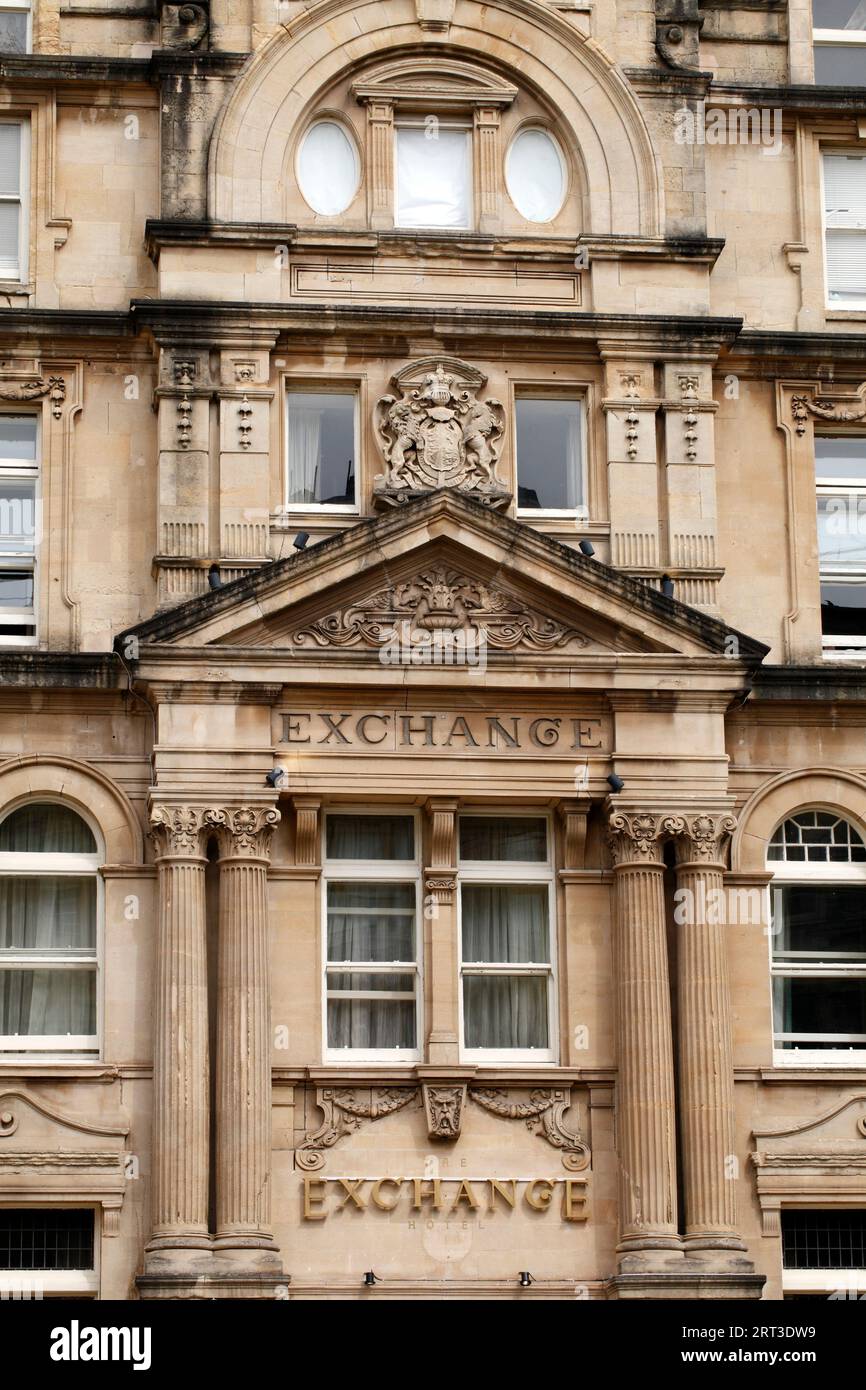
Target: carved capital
column 636, row 837
column 243, row 832
column 440, row 886
column 703, row 838
column 443, row 1107
column 178, row 831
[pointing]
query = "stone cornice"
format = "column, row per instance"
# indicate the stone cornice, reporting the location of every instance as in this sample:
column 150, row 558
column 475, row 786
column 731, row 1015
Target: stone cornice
column 61, row 670
column 74, row 69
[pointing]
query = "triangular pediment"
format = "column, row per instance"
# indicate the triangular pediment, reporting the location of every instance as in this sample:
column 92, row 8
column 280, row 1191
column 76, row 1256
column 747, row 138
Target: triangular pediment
column 442, row 570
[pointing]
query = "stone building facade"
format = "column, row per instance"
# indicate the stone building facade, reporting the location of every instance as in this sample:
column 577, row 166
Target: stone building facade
column 432, row 786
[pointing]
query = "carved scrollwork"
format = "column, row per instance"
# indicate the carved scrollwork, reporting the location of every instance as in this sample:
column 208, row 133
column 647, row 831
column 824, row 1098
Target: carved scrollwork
column 244, row 832
column 542, row 1114
column 703, row 837
column 344, row 1113
column 678, row 27
column 177, row 830
column 435, row 600
column 184, row 27
column 437, row 433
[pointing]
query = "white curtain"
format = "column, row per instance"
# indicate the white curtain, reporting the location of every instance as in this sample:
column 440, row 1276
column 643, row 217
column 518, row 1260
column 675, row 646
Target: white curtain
column 370, row 837
column 305, row 435
column 432, row 177
column 369, row 922
column 505, row 924
column 49, row 915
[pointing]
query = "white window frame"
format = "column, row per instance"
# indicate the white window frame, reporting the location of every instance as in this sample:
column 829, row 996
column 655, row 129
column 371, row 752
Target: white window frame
column 294, row 387
column 16, row 6
column 374, row 871
column 27, row 561
column 81, row 1282
column 788, row 873
column 498, row 872
column 837, row 646
column 18, row 276
column 830, row 152
column 580, row 513
column 444, row 123
column 37, row 864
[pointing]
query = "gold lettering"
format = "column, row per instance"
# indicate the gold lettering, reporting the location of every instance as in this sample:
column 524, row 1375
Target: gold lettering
column 377, row 1191
column 541, row 1200
column 351, row 1185
column 312, row 1213
column 434, row 1197
column 500, row 1187
column 465, row 1194
column 574, row 1203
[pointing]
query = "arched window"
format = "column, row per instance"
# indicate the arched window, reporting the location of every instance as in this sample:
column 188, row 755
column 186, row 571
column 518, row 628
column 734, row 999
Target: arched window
column 818, row 938
column 49, row 896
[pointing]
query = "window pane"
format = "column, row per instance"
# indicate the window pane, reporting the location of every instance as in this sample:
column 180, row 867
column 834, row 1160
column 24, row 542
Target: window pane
column 846, row 265
column 47, row 1239
column 327, row 168
column 818, row 917
column 535, row 176
column 17, row 515
column 321, row 447
column 10, row 158
column 371, row 921
column 16, row 589
column 36, row 1003
column 549, row 453
column 839, row 14
column 371, row 1023
column 810, row 1005
column 363, row 982
column 505, row 1011
column 370, row 837
column 46, row 828
column 518, row 838
column 9, row 219
column 13, row 32
column 48, row 915
column 433, row 177
column 840, row 65
column 18, row 437
column 840, row 456
column 505, row 923
column 824, row 1239
column 843, row 610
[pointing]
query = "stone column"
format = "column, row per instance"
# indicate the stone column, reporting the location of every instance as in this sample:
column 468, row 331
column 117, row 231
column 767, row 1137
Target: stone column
column 243, row 1052
column 180, row 1050
column 440, row 886
column 645, row 1075
column 706, row 1076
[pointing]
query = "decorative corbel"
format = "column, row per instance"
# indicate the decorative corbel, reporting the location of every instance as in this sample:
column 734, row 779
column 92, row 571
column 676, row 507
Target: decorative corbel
column 443, row 1106
column 678, row 27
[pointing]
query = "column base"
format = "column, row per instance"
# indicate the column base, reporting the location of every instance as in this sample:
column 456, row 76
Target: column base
column 213, row 1285
column 689, row 1285
column 696, row 1242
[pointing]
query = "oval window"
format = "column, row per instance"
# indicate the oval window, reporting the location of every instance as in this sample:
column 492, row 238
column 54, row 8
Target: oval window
column 535, row 175
column 327, row 168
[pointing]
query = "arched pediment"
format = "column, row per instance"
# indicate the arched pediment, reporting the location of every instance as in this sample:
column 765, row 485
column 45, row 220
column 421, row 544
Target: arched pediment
column 452, row 81
column 494, row 48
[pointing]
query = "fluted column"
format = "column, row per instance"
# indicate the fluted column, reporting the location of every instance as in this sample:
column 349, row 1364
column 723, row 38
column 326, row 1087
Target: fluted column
column 180, row 1062
column 645, row 1076
column 706, row 1076
column 243, row 1062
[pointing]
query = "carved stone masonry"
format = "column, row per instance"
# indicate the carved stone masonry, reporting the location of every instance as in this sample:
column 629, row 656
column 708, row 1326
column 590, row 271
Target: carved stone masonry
column 344, row 1113
column 177, row 830
column 804, row 406
column 638, row 836
column 678, row 27
column 433, row 601
column 542, row 1114
column 703, row 838
column 437, row 433
column 245, row 411
column 243, row 832
column 54, row 387
column 443, row 1106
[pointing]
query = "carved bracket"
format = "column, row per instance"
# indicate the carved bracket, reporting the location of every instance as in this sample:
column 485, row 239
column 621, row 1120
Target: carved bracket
column 678, row 28
column 344, row 1113
column 542, row 1115
column 184, row 28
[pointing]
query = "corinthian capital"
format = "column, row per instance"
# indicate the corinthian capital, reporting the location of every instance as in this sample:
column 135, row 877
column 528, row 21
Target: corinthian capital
column 637, row 836
column 243, row 832
column 704, row 837
column 177, row 830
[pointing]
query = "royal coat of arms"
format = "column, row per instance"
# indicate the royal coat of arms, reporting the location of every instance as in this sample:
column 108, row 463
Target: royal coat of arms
column 437, row 433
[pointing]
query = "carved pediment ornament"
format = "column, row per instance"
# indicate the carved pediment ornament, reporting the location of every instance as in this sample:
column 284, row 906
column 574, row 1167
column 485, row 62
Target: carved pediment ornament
column 804, row 406
column 444, row 1102
column 437, row 433
column 439, row 599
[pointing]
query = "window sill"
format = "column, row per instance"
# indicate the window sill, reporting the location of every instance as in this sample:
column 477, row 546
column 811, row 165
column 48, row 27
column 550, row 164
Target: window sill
column 824, row 1060
column 10, row 1065
column 843, row 315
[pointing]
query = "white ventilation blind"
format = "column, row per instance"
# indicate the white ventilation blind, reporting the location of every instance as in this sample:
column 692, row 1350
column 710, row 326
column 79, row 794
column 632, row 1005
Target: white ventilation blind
column 10, row 199
column 433, row 177
column 845, row 222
